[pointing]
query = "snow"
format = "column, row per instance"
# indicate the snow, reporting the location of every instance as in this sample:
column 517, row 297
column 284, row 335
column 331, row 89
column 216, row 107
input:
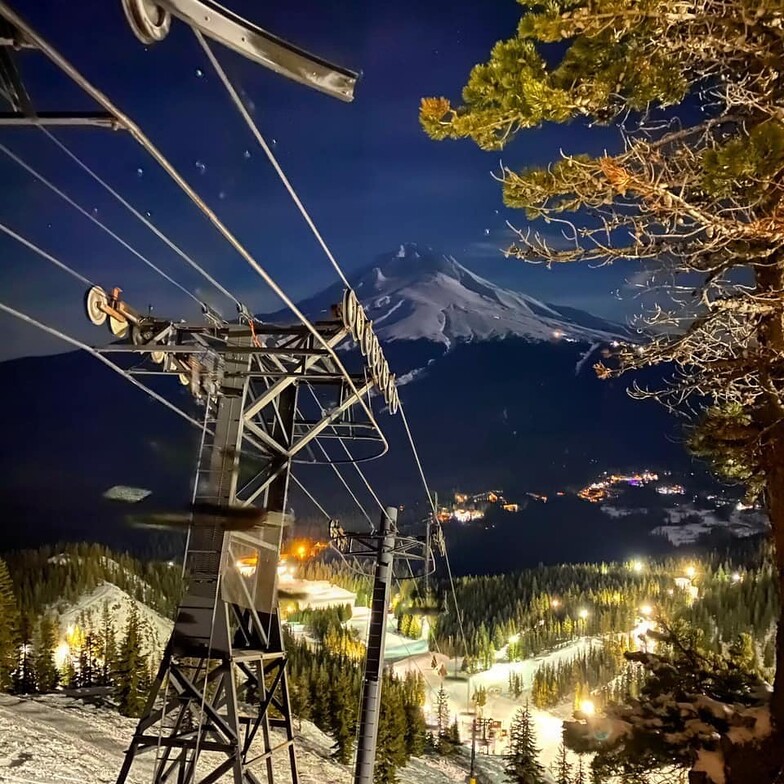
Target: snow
column 54, row 739
column 741, row 524
column 91, row 605
column 415, row 293
column 131, row 495
column 397, row 646
column 315, row 594
column 712, row 763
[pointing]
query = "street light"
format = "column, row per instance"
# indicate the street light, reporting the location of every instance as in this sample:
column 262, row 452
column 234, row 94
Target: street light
column 637, row 566
column 646, row 609
column 736, row 578
column 587, row 708
column 583, row 614
column 691, row 572
column 555, row 604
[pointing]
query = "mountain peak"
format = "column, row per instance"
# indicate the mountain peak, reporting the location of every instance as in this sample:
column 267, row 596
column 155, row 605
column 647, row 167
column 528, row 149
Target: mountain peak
column 415, row 293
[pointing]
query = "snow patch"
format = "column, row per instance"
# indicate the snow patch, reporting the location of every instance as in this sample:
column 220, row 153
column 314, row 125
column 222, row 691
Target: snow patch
column 130, row 495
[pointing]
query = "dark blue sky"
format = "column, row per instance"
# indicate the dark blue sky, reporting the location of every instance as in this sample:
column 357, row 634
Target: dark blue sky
column 367, row 173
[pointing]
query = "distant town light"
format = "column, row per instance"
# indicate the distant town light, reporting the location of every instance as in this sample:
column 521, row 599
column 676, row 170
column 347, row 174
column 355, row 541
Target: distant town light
column 557, row 334
column 555, row 604
column 637, row 566
column 514, row 638
column 646, row 609
column 584, row 613
column 691, row 572
column 736, row 578
column 587, row 708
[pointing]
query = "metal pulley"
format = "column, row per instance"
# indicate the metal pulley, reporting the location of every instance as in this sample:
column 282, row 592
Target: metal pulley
column 149, row 21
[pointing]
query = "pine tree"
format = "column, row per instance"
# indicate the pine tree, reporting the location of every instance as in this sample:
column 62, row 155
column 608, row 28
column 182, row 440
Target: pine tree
column 299, row 694
column 416, row 728
column 46, row 675
column 9, row 630
column 391, row 745
column 106, row 647
column 562, row 768
column 442, row 719
column 24, row 681
column 131, row 674
column 662, row 199
column 579, row 777
column 522, row 765
column 343, row 716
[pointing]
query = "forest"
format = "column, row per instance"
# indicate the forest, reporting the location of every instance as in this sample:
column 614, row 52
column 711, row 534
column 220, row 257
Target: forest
column 511, row 617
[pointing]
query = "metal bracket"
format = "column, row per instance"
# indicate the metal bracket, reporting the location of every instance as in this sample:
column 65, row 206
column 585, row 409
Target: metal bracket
column 150, row 22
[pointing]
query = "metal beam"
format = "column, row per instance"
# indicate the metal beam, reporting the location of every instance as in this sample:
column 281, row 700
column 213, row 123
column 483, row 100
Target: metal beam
column 81, row 119
column 331, row 417
column 261, row 46
column 270, row 394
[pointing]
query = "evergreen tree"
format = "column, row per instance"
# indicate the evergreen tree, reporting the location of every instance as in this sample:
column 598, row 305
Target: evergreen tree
column 522, row 764
column 299, row 694
column 579, row 776
column 562, row 768
column 24, row 682
column 9, row 630
column 442, row 719
column 131, row 674
column 662, row 199
column 391, row 743
column 343, row 716
column 416, row 728
column 46, row 675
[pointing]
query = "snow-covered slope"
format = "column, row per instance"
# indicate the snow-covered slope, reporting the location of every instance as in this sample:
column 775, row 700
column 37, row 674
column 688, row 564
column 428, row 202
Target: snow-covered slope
column 88, row 611
column 416, row 293
column 53, row 738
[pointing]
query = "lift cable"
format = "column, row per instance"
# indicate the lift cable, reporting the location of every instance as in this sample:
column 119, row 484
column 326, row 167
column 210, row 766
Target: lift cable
column 236, row 99
column 125, row 122
column 97, row 354
column 144, row 219
column 41, row 252
column 38, row 176
column 438, row 523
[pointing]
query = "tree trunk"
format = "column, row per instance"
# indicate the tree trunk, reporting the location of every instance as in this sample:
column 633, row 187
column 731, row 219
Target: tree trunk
column 775, row 505
column 771, row 338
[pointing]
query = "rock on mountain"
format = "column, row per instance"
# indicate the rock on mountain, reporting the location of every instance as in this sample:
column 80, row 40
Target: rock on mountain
column 418, row 294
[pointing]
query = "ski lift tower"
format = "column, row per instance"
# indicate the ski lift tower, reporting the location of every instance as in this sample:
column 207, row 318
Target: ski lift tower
column 222, row 688
column 227, row 640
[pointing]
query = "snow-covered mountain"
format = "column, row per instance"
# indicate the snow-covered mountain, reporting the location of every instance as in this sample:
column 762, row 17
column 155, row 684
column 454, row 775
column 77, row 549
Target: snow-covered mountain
column 415, row 293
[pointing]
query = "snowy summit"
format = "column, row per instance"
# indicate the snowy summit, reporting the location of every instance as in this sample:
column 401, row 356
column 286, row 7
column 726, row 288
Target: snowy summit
column 416, row 293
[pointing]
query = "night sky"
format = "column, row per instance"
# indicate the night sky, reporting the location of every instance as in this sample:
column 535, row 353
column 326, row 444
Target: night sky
column 367, row 173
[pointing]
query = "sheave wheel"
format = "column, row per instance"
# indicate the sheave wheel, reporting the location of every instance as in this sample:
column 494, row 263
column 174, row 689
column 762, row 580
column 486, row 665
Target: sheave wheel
column 93, row 300
column 149, row 21
column 118, row 328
